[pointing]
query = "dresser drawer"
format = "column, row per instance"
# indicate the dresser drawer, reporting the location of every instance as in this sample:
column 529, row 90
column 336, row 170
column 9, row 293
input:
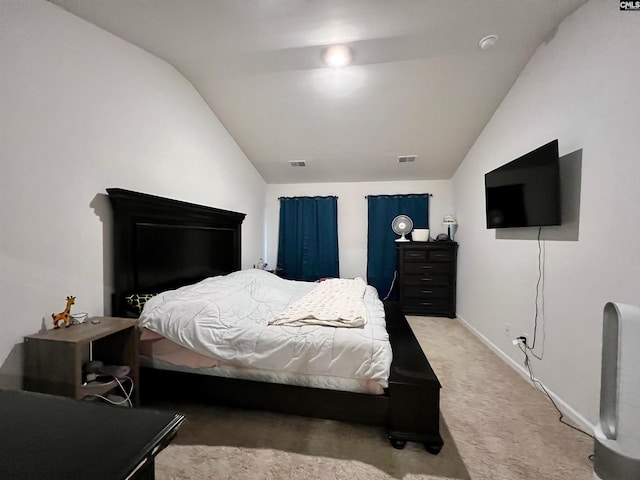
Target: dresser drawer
column 426, row 291
column 419, row 267
column 440, row 255
column 426, row 279
column 427, row 304
column 414, row 255
column 428, row 255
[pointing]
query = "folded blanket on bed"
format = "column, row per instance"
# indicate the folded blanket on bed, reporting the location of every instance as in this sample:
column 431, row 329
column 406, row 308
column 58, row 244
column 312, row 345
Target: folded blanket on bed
column 336, row 302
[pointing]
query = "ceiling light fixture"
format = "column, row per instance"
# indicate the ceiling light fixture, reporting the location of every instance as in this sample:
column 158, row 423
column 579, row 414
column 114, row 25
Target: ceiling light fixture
column 488, row 42
column 337, row 56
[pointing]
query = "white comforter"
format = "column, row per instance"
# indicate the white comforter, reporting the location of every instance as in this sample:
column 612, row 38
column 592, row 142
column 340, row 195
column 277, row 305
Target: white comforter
column 227, row 317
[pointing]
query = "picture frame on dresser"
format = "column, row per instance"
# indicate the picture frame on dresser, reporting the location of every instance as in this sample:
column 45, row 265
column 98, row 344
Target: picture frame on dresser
column 427, row 278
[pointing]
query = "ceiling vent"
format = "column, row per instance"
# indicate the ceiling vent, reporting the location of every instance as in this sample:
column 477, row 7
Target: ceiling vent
column 407, row 158
column 297, row 163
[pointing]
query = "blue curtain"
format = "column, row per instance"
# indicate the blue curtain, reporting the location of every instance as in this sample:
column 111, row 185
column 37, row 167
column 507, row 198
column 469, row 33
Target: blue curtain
column 381, row 245
column 308, row 238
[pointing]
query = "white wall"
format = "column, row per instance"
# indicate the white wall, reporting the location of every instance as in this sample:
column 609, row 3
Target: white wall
column 582, row 88
column 352, row 214
column 81, row 111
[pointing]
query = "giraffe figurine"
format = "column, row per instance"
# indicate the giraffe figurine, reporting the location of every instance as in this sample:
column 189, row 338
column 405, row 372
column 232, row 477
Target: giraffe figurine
column 63, row 318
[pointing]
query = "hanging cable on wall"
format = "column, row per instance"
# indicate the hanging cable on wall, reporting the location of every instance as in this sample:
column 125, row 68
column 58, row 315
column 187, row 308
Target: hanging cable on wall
column 539, row 301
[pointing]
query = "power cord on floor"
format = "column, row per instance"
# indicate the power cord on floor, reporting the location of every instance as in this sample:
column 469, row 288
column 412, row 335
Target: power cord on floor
column 535, row 381
column 127, row 394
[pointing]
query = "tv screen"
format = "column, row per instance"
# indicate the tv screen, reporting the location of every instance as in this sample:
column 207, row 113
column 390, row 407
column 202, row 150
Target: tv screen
column 526, row 191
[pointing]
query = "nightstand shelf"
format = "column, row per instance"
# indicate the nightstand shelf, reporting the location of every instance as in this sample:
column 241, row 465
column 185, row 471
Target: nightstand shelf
column 54, row 359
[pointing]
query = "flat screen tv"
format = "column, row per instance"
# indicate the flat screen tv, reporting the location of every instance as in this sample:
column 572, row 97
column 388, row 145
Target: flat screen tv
column 526, row 191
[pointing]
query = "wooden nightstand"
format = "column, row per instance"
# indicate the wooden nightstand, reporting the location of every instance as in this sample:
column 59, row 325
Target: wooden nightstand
column 53, row 360
column 278, row 271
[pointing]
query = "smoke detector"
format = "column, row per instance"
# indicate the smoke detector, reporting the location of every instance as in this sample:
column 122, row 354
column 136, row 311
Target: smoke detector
column 488, row 42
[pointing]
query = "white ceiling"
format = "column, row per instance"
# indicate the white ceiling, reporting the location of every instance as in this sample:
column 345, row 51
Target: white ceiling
column 419, row 83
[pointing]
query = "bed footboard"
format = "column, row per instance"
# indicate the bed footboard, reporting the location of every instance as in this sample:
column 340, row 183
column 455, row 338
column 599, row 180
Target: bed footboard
column 414, row 389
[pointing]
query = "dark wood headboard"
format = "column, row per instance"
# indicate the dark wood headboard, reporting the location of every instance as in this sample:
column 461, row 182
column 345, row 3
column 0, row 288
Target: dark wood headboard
column 161, row 244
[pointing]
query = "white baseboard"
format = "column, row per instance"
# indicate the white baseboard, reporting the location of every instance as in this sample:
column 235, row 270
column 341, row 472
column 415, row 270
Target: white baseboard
column 566, row 409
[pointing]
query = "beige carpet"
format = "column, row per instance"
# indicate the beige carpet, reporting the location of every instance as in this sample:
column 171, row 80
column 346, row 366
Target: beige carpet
column 504, row 428
column 495, row 427
column 295, row 438
column 182, row 462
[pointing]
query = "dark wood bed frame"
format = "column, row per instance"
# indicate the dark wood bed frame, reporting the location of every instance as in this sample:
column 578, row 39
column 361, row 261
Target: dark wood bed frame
column 160, row 244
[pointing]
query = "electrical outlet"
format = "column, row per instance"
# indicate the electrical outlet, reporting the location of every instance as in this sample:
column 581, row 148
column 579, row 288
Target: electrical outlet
column 523, row 339
column 507, row 329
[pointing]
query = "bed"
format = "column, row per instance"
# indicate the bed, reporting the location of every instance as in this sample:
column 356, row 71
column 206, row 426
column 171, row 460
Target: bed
column 162, row 245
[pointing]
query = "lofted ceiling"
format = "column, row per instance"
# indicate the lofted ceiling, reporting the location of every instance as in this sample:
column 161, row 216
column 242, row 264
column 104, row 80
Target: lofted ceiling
column 419, row 83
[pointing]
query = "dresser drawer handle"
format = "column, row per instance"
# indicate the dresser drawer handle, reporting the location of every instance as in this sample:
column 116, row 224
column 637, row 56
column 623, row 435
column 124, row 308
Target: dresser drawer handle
column 426, row 291
column 426, row 304
column 426, row 267
column 414, row 254
column 426, row 279
column 441, row 255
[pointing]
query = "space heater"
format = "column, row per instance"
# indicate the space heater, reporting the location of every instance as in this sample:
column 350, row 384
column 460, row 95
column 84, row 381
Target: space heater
column 617, row 434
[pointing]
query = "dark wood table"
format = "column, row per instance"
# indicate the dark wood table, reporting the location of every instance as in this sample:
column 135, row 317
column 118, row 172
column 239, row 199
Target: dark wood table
column 52, row 437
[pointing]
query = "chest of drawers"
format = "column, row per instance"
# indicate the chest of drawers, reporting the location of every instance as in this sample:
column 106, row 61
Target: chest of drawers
column 427, row 278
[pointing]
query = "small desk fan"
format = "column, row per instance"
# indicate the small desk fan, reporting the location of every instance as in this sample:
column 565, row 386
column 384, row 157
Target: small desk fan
column 402, row 225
